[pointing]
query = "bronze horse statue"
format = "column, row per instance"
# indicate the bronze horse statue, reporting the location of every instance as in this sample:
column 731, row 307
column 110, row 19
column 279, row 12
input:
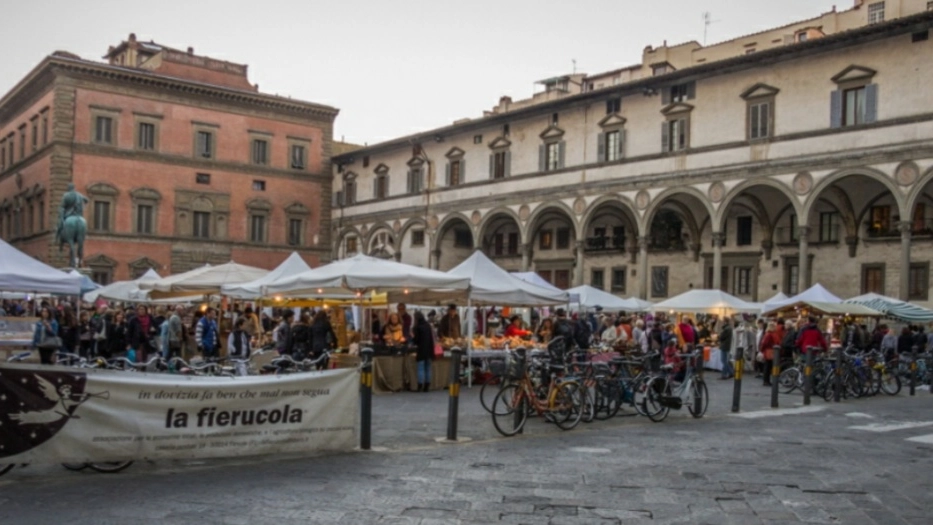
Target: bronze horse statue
column 72, row 228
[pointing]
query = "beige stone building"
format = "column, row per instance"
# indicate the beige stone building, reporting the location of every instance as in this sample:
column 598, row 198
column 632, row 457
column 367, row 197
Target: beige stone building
column 766, row 163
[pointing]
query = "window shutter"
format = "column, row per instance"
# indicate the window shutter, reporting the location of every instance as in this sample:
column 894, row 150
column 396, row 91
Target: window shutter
column 492, row 165
column 691, row 90
column 835, row 109
column 871, row 103
column 338, row 199
column 601, row 147
column 462, row 171
column 665, row 137
column 622, row 143
column 508, row 164
column 376, row 187
column 541, row 158
column 410, row 185
column 447, row 175
column 665, row 96
column 561, row 150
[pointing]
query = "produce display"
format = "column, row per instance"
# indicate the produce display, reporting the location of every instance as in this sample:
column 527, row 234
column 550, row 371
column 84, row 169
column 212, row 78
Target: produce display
column 500, row 343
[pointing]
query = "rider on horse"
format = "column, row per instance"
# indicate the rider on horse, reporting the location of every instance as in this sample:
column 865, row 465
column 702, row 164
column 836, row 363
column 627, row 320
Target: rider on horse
column 72, row 206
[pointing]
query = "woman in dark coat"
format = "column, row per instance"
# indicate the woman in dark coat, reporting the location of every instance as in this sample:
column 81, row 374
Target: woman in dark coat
column 116, row 335
column 322, row 337
column 69, row 330
column 423, row 339
column 300, row 344
column 139, row 333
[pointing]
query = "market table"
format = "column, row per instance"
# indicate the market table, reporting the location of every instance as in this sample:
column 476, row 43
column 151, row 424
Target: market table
column 397, row 373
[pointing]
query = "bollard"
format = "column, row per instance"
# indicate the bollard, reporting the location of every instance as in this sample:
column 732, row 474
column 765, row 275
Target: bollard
column 700, row 363
column 808, row 376
column 366, row 398
column 737, row 385
column 913, row 370
column 518, row 412
column 775, row 374
column 453, row 403
column 697, row 401
column 837, row 380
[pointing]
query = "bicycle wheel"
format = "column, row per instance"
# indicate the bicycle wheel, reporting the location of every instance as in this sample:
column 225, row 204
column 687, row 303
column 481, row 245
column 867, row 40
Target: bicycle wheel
column 640, row 395
column 654, row 409
column 790, row 380
column 506, row 417
column 487, row 394
column 698, row 391
column 854, row 385
column 75, row 466
column 589, row 404
column 608, row 399
column 890, row 383
column 110, row 467
column 568, row 404
column 6, row 468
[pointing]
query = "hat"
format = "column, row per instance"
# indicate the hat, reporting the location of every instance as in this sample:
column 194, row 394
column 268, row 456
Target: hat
column 599, row 308
column 561, row 312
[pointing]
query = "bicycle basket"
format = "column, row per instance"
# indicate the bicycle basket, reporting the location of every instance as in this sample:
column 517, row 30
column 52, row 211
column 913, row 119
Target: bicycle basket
column 515, row 368
column 498, row 367
column 557, row 349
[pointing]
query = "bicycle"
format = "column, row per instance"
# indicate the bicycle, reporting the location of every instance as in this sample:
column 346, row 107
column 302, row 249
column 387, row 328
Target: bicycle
column 624, row 384
column 663, row 394
column 562, row 404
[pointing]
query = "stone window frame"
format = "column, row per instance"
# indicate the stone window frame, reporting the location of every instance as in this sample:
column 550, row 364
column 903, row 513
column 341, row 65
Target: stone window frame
column 853, row 77
column 304, row 143
column 114, row 115
column 258, row 208
column 44, row 123
column 34, row 133
column 602, row 277
column 103, row 192
column 346, row 244
column 147, row 197
column 100, row 264
column 613, row 287
column 664, row 290
column 416, row 172
column 455, row 156
column 22, row 141
column 611, row 123
column 421, row 233
column 924, row 286
column 677, row 111
column 142, row 265
column 2, row 154
column 754, row 96
column 863, row 283
column 144, row 118
column 204, row 127
column 297, row 211
column 256, row 137
column 216, row 204
column 349, row 182
column 11, row 148
column 552, row 137
column 382, row 174
column 500, row 146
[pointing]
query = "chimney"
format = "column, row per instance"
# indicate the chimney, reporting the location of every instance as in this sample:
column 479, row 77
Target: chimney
column 505, row 102
column 190, row 50
column 132, row 37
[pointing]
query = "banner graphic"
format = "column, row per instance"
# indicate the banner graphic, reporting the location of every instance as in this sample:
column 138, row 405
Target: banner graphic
column 57, row 414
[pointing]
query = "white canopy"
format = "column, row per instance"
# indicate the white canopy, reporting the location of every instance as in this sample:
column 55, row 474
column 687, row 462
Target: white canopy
column 895, row 308
column 87, row 284
column 204, row 280
column 533, row 278
column 707, row 301
column 491, row 285
column 21, row 273
column 816, row 293
column 122, row 290
column 291, row 266
column 590, row 297
column 362, row 272
column 777, row 300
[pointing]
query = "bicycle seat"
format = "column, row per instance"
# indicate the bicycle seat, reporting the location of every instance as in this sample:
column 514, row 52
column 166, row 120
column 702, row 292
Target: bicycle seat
column 667, row 367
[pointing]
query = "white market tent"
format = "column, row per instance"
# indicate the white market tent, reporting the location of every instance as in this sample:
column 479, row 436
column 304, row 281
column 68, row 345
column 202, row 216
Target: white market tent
column 590, row 297
column 814, row 294
column 894, row 308
column 122, row 290
column 21, row 273
column 707, row 301
column 533, row 278
column 490, row 285
column 777, row 300
column 363, row 273
column 255, row 289
column 87, row 285
column 204, row 280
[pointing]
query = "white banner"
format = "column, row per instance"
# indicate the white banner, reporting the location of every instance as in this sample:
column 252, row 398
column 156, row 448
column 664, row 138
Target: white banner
column 56, row 414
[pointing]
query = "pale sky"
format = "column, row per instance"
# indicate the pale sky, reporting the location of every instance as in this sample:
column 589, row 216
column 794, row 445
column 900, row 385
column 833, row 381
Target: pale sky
column 392, row 67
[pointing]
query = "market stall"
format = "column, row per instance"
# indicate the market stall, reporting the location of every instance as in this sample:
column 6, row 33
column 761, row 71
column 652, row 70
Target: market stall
column 204, row 280
column 894, row 308
column 586, row 296
column 255, row 289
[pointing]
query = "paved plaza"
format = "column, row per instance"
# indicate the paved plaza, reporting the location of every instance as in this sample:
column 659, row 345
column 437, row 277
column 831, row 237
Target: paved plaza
column 868, row 461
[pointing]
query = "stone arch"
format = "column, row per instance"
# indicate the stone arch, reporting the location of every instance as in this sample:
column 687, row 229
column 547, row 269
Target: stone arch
column 667, row 195
column 403, row 231
column 836, row 176
column 917, row 192
column 377, row 227
column 543, row 209
column 448, row 252
column 381, row 242
column 742, row 187
column 604, row 206
column 341, row 239
column 449, row 220
column 495, row 214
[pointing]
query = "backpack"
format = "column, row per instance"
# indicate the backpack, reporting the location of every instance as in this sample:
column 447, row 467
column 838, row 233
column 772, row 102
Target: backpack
column 789, row 343
column 582, row 334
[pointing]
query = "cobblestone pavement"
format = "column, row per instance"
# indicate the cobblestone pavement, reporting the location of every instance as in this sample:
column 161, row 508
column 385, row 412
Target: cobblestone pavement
column 867, row 461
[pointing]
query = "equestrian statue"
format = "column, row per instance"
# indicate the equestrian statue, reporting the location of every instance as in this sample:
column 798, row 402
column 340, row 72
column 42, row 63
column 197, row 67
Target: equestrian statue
column 72, row 228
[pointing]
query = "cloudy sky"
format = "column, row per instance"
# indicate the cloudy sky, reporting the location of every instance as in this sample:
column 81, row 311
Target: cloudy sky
column 393, row 67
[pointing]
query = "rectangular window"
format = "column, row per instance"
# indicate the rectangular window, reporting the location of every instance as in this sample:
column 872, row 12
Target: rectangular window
column 144, row 219
column 349, row 192
column 680, row 93
column 205, row 145
column 555, row 118
column 417, row 237
column 257, row 228
column 35, row 134
column 545, row 240
column 676, row 134
column 791, row 277
column 613, row 105
column 260, row 152
column 294, row 232
column 202, row 225
column 202, row 178
column 546, row 275
column 463, row 239
column 743, row 278
column 919, row 222
column 477, row 139
column 498, row 244
column 880, row 220
column 45, row 128
column 382, row 186
column 103, row 130
column 618, row 236
column 101, row 276
column 454, row 167
column 873, row 278
column 2, row 155
column 351, row 245
column 918, row 284
column 613, row 151
column 853, row 106
column 259, row 185
column 829, row 227
column 562, row 279
column 759, row 120
column 618, row 280
column 22, row 142
column 876, row 13
column 102, row 216
column 513, row 244
column 552, row 159
column 505, row 130
column 11, row 140
column 596, row 279
column 743, row 231
column 499, row 164
column 298, row 157
column 563, row 238
column 366, row 161
column 659, row 281
column 415, row 180
column 146, row 138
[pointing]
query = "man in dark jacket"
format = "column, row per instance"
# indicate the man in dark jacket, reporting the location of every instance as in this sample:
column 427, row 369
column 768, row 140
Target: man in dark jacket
column 450, row 324
column 725, row 348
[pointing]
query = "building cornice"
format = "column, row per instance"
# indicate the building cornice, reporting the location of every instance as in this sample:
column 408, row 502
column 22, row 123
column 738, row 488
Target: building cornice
column 764, row 58
column 162, row 239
